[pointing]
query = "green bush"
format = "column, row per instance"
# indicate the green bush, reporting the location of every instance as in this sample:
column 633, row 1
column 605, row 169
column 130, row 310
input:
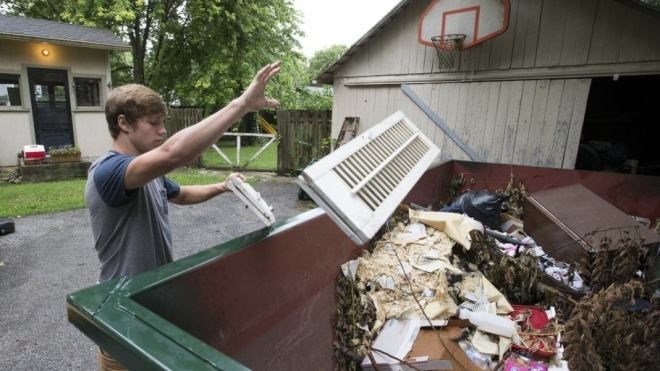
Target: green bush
column 62, row 151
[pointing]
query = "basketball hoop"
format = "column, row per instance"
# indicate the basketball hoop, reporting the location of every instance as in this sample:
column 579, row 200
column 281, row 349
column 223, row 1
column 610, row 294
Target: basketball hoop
column 447, row 47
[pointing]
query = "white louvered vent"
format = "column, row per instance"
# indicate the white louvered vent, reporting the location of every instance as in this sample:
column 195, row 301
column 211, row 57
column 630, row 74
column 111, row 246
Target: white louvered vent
column 361, row 183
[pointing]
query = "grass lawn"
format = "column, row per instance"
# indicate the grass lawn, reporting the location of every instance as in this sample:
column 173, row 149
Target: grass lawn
column 17, row 200
column 267, row 160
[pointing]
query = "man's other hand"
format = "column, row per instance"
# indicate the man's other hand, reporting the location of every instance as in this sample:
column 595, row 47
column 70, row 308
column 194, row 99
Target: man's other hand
column 232, row 175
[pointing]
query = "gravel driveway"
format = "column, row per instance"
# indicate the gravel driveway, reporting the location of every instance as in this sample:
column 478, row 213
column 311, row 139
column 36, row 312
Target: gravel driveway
column 50, row 256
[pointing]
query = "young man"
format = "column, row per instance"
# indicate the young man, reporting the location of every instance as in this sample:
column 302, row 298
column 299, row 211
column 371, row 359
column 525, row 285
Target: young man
column 127, row 192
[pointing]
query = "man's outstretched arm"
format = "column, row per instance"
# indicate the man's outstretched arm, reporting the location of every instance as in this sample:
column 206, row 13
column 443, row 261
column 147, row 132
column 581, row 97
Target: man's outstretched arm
column 186, row 145
column 195, row 194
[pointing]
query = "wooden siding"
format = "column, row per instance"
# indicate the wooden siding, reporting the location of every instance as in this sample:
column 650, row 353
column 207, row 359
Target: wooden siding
column 541, row 34
column 532, row 122
column 518, row 98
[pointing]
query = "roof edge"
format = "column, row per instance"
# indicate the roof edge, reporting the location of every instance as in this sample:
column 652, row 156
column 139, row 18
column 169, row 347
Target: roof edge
column 326, row 76
column 83, row 44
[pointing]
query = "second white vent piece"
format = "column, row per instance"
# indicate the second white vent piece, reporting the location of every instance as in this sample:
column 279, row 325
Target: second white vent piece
column 252, row 199
column 360, row 184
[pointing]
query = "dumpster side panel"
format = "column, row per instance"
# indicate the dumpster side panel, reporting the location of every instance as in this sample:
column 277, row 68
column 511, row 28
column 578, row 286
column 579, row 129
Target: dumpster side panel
column 432, row 186
column 268, row 305
column 637, row 195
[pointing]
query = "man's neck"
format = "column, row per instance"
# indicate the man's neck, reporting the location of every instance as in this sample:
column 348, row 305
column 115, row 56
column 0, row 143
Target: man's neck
column 122, row 145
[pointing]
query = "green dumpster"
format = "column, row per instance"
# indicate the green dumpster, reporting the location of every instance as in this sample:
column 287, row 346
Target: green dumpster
column 261, row 301
column 266, row 300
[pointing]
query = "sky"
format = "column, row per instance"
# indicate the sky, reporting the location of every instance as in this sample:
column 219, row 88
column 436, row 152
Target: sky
column 328, row 23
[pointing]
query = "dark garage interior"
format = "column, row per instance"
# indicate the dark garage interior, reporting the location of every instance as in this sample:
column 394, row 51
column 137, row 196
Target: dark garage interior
column 620, row 132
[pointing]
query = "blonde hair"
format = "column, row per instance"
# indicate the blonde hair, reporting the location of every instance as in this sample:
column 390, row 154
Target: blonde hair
column 134, row 101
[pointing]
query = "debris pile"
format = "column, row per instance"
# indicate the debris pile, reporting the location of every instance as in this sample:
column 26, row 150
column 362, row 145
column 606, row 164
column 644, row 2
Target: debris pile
column 441, row 289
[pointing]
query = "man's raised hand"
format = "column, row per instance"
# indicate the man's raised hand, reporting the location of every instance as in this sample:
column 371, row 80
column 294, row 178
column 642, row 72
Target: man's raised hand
column 254, row 98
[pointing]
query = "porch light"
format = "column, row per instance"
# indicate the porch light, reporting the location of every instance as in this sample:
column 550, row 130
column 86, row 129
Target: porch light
column 45, row 52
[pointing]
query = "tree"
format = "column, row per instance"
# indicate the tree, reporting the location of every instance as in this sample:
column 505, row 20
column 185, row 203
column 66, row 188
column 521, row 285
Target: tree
column 200, row 53
column 324, row 58
column 193, row 52
column 297, row 89
column 219, row 45
column 136, row 20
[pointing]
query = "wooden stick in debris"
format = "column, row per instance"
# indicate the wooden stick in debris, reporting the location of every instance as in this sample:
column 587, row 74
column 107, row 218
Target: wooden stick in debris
column 412, row 292
column 373, row 360
column 395, row 358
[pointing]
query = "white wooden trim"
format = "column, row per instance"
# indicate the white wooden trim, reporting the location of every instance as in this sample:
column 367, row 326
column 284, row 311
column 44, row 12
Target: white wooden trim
column 637, row 68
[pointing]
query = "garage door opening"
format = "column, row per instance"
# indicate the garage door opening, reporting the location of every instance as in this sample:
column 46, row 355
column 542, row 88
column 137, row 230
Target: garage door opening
column 621, row 125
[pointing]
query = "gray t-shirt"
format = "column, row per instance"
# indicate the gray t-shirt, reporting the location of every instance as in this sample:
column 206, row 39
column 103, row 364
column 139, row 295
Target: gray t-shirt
column 131, row 229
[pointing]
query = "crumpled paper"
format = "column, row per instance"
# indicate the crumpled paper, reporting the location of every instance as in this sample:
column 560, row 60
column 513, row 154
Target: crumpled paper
column 456, row 226
column 473, row 281
column 424, row 257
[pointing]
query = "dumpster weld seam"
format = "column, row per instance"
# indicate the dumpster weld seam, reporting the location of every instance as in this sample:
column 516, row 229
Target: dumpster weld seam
column 119, row 286
column 172, row 339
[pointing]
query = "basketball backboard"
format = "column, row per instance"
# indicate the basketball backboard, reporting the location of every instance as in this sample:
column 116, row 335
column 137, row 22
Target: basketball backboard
column 479, row 20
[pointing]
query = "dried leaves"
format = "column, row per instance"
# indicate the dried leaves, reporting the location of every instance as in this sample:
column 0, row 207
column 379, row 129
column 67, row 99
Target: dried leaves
column 617, row 328
column 516, row 197
column 619, row 264
column 611, row 330
column 515, row 277
column 455, row 186
column 355, row 316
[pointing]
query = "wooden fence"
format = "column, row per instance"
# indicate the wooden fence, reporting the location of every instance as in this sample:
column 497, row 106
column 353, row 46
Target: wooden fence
column 180, row 118
column 304, row 135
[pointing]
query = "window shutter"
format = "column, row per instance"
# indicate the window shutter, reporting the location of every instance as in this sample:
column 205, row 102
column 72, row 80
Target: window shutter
column 360, row 184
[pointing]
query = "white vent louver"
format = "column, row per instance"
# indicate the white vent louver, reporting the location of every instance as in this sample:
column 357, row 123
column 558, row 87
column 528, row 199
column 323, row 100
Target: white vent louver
column 361, row 183
column 252, row 199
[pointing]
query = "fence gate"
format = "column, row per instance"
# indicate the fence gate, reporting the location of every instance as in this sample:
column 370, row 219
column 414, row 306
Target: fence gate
column 304, row 135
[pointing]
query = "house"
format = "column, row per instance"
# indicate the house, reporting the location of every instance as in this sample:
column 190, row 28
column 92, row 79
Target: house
column 54, row 78
column 536, row 82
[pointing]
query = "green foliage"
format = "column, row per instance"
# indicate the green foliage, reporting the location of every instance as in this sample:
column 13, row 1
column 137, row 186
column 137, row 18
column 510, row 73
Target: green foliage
column 324, row 58
column 25, row 199
column 67, row 150
column 327, row 144
column 294, row 87
column 200, row 53
column 122, row 68
column 212, row 54
column 18, row 200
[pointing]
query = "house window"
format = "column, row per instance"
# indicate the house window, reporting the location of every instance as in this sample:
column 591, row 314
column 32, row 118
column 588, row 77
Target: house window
column 88, row 92
column 10, row 92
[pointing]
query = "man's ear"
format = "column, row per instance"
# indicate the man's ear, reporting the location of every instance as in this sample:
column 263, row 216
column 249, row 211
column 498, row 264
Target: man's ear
column 123, row 123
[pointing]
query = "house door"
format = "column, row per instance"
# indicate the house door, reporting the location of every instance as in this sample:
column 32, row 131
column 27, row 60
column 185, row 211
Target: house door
column 51, row 111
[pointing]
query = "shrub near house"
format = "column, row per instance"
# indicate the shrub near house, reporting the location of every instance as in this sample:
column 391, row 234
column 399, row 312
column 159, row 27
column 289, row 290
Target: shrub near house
column 66, row 153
